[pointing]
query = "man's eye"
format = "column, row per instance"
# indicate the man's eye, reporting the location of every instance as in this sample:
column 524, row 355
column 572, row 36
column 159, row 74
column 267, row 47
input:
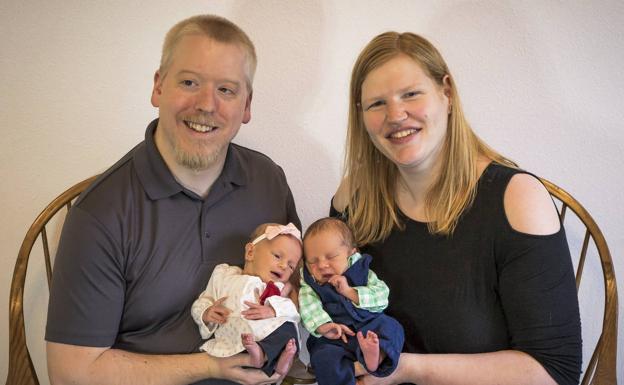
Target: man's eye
column 188, row 83
column 226, row 91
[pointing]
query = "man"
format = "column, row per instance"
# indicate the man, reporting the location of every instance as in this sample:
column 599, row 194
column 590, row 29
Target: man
column 140, row 244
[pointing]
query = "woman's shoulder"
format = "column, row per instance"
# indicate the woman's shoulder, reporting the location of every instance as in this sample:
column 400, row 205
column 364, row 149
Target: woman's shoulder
column 529, row 207
column 341, row 198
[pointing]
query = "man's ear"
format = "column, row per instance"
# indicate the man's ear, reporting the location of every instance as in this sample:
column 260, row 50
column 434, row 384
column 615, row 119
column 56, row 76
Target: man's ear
column 157, row 90
column 249, row 252
column 247, row 114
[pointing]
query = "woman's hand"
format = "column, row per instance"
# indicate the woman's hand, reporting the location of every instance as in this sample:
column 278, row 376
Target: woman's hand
column 396, row 377
column 257, row 311
column 333, row 331
column 217, row 313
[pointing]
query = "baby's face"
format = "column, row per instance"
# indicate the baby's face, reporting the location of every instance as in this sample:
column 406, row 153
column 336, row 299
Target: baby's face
column 273, row 260
column 326, row 255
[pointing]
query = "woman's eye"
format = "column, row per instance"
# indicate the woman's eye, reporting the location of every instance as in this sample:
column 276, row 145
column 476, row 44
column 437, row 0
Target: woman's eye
column 411, row 94
column 374, row 105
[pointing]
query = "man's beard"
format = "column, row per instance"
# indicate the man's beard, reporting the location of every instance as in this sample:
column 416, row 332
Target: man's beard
column 198, row 160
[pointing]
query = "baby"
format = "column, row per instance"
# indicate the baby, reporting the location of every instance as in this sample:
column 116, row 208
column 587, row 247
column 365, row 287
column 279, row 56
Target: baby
column 249, row 309
column 339, row 296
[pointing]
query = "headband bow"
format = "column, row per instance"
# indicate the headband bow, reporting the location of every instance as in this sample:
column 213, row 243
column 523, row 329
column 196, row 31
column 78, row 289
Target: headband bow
column 273, row 231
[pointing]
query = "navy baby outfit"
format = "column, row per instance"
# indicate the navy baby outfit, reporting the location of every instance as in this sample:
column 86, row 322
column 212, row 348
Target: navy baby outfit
column 332, row 360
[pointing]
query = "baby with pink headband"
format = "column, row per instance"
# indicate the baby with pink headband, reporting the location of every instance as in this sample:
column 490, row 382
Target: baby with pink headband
column 250, row 309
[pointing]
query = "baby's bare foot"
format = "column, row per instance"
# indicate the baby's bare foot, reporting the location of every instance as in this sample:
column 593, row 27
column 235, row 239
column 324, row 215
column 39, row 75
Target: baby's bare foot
column 285, row 359
column 256, row 354
column 370, row 349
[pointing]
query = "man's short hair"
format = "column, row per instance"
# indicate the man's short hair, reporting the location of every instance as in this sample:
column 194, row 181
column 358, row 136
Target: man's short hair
column 214, row 27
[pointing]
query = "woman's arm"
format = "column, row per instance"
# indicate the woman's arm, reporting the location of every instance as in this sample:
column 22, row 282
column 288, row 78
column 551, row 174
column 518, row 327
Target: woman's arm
column 506, row 367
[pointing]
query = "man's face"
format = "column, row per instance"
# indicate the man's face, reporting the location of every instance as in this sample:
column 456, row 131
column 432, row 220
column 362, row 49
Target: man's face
column 203, row 99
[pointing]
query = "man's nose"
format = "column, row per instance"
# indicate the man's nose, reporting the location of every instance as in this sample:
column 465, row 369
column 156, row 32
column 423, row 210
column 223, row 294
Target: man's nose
column 206, row 101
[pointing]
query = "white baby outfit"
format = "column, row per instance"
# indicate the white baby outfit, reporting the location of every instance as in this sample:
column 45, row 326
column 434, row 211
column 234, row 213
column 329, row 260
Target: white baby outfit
column 229, row 281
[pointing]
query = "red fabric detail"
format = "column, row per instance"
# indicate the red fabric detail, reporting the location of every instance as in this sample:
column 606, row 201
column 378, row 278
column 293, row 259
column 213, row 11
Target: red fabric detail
column 271, row 290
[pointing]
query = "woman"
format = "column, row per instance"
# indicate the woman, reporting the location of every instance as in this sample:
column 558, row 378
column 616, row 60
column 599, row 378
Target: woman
column 471, row 247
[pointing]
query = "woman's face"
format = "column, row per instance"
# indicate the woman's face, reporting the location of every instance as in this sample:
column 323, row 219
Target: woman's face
column 405, row 113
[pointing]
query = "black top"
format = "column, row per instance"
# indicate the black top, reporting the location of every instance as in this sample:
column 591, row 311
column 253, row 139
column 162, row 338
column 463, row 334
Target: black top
column 485, row 288
column 137, row 248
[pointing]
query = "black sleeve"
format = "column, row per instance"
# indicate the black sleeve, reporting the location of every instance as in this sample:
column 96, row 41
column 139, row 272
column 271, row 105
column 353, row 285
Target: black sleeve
column 87, row 292
column 538, row 295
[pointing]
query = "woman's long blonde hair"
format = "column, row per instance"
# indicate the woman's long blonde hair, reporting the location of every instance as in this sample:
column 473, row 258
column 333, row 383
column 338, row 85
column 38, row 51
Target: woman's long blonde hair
column 372, row 179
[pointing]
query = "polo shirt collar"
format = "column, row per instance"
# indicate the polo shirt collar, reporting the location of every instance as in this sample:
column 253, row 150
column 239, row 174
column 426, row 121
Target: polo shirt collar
column 157, row 179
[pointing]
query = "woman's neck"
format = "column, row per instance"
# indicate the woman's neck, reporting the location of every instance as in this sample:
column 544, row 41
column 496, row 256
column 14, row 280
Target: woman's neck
column 412, row 188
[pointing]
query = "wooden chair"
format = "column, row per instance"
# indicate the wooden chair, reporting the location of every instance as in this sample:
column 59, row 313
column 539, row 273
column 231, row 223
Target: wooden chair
column 21, row 369
column 601, row 369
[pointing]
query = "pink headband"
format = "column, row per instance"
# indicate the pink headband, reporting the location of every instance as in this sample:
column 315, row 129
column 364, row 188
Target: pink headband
column 273, row 231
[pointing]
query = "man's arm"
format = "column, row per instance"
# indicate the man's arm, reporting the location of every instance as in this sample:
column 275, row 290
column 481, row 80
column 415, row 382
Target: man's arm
column 71, row 364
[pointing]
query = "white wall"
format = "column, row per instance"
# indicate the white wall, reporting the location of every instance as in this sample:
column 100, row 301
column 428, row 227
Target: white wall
column 541, row 82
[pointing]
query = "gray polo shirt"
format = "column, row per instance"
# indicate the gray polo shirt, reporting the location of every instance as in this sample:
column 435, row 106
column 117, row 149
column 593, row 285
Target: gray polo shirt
column 137, row 248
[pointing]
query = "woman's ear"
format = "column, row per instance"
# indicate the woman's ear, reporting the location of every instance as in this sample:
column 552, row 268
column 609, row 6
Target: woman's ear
column 446, row 88
column 249, row 249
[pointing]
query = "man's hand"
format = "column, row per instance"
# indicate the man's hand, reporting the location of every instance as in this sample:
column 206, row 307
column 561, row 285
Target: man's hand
column 339, row 282
column 333, row 331
column 230, row 368
column 257, row 311
column 217, row 313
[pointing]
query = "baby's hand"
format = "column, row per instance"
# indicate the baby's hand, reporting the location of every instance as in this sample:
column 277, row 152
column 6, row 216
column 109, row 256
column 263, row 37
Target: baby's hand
column 333, row 331
column 342, row 286
column 217, row 313
column 257, row 311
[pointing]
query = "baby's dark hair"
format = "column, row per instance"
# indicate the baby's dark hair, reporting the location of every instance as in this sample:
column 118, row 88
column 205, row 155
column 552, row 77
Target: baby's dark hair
column 329, row 223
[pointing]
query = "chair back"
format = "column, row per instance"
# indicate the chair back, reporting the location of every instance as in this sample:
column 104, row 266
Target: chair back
column 21, row 369
column 601, row 368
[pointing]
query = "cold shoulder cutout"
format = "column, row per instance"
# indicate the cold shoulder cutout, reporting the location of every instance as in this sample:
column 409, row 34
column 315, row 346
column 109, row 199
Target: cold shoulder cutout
column 528, row 206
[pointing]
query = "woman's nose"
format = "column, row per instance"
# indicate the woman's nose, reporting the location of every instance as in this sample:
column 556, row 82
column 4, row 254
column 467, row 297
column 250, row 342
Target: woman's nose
column 395, row 112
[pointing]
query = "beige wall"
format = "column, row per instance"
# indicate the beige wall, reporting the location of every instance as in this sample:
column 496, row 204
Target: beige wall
column 541, row 81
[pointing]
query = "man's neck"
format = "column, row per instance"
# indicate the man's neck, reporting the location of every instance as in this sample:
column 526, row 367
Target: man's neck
column 198, row 181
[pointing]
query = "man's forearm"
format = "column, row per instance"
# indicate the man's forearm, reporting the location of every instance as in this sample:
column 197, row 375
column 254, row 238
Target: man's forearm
column 69, row 364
